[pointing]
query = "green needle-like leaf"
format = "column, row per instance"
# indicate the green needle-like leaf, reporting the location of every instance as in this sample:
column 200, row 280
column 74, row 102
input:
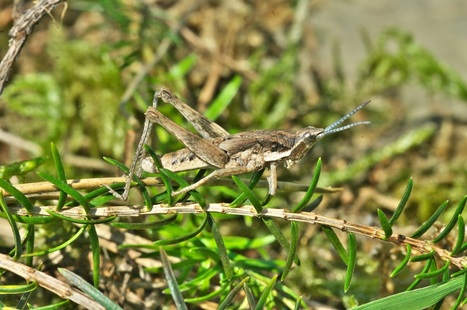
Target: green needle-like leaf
column 184, row 237
column 249, row 193
column 292, row 251
column 336, row 243
column 423, row 229
column 453, row 221
column 403, row 263
column 265, row 294
column 230, row 297
column 22, row 199
column 96, row 255
column 460, row 235
column 172, row 281
column 223, row 255
column 60, row 174
column 384, row 224
column 146, row 225
column 14, row 227
column 351, row 261
column 402, row 203
column 311, row 189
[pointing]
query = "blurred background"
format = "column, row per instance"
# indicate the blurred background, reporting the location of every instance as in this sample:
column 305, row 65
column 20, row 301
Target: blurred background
column 89, row 70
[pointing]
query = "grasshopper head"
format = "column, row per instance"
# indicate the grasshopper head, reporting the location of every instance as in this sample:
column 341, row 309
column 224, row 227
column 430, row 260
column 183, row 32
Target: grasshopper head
column 306, row 138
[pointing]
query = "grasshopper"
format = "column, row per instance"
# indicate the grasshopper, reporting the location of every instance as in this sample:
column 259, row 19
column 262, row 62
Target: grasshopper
column 228, row 154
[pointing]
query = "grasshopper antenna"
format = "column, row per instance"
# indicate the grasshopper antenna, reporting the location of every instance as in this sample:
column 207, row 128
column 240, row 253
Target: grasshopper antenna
column 332, row 128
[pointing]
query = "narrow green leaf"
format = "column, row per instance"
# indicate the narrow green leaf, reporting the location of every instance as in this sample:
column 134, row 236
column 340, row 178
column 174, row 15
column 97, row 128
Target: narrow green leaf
column 183, row 183
column 14, row 227
column 117, row 164
column 453, row 221
column 31, row 219
column 426, row 268
column 22, row 199
column 60, row 174
column 59, row 247
column 460, row 235
column 434, row 273
column 165, row 179
column 89, row 289
column 96, row 255
column 298, row 303
column 423, row 257
column 313, row 205
column 67, row 189
column 352, row 259
column 172, row 282
column 423, row 229
column 254, row 180
column 403, row 263
column 146, row 225
column 210, row 296
column 417, row 299
column 336, row 243
column 461, row 294
column 277, row 233
column 311, row 189
column 80, row 221
column 266, row 293
column 224, row 99
column 249, row 193
column 18, row 289
column 384, row 224
column 29, row 238
column 249, row 296
column 184, row 237
column 292, row 251
column 230, row 297
column 223, row 255
column 402, row 203
column 21, row 167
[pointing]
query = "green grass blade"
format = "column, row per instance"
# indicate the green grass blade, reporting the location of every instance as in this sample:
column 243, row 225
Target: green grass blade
column 311, row 189
column 223, row 255
column 22, row 199
column 351, row 261
column 172, row 282
column 453, row 221
column 424, row 228
column 184, row 237
column 14, row 227
column 60, row 174
column 292, row 251
column 89, row 289
column 178, row 179
column 417, row 299
column 383, row 220
column 402, row 203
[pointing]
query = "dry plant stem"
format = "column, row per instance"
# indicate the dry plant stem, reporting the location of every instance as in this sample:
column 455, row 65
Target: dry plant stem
column 53, row 285
column 421, row 246
column 92, row 183
column 19, row 33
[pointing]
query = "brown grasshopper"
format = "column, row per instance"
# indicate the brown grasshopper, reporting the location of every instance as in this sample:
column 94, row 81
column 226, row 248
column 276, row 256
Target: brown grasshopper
column 229, row 154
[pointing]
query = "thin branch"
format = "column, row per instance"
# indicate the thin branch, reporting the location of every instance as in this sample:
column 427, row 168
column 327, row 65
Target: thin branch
column 424, row 247
column 19, row 33
column 53, row 285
